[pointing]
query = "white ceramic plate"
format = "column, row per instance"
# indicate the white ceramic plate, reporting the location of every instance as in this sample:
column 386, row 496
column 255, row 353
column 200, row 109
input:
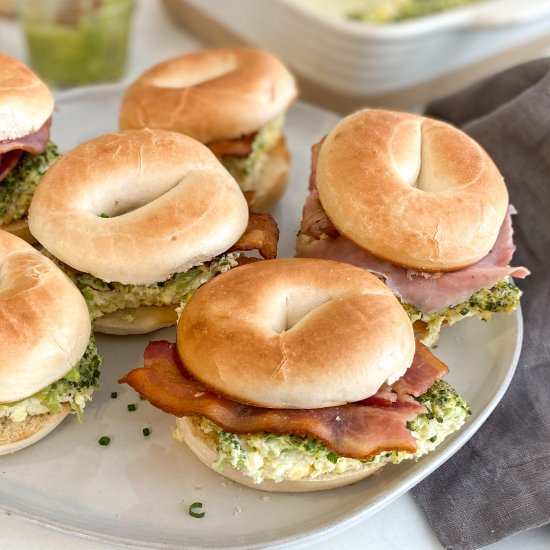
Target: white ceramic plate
column 137, row 490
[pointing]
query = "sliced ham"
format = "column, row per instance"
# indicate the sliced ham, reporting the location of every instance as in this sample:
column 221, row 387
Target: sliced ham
column 33, row 143
column 426, row 291
column 357, row 430
column 8, row 161
column 11, row 150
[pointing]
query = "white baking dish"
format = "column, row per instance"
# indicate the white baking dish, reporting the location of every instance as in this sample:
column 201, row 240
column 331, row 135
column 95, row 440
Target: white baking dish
column 374, row 61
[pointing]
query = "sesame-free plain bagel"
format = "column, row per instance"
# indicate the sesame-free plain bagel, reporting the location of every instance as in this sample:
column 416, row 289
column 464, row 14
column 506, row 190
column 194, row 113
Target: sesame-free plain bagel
column 137, row 206
column 25, row 101
column 44, row 322
column 213, row 94
column 272, row 333
column 411, row 190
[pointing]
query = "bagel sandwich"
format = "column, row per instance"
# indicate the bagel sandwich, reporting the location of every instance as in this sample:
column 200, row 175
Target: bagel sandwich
column 231, row 99
column 49, row 364
column 26, row 151
column 421, row 205
column 139, row 220
column 299, row 375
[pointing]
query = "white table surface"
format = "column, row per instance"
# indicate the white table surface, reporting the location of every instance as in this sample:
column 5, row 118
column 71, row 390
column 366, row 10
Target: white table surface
column 400, row 525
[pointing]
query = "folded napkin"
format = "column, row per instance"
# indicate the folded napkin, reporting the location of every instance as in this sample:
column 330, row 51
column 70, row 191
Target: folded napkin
column 499, row 483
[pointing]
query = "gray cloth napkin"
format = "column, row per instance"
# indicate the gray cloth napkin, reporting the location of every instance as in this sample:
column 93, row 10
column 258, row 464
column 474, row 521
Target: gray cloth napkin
column 499, row 483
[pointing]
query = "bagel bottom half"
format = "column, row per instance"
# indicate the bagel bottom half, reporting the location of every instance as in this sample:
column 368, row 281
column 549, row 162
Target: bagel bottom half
column 15, row 436
column 139, row 320
column 280, row 463
column 204, row 445
column 20, row 228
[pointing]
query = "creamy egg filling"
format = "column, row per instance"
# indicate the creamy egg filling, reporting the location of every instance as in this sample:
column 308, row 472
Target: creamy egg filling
column 75, row 388
column 385, row 11
column 103, row 297
column 246, row 169
column 278, row 457
column 503, row 297
column 18, row 187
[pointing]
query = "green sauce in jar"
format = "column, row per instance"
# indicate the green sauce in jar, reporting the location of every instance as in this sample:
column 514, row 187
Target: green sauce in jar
column 80, row 43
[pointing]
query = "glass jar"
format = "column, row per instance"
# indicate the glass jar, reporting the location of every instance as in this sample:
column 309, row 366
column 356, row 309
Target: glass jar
column 77, row 42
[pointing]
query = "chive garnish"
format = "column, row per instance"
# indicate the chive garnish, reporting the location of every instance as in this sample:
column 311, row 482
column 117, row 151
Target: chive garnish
column 114, row 395
column 103, row 215
column 192, row 512
column 332, row 457
column 146, row 432
column 104, row 440
column 142, row 398
column 131, row 407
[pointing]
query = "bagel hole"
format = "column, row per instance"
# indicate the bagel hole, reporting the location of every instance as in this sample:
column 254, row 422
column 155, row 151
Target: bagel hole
column 297, row 304
column 437, row 174
column 133, row 196
column 406, row 151
column 215, row 69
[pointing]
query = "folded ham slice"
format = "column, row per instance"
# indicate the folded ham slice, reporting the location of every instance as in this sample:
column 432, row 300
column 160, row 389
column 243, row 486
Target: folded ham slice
column 34, row 143
column 8, row 161
column 357, row 430
column 427, row 292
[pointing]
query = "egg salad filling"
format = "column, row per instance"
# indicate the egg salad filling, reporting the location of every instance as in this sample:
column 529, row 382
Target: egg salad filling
column 288, row 457
column 75, row 388
column 385, row 11
column 103, row 297
column 18, row 187
column 503, row 297
column 247, row 169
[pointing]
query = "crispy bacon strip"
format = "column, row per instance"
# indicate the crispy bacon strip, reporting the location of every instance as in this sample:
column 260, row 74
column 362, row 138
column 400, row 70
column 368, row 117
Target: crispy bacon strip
column 240, row 147
column 261, row 234
column 355, row 430
column 426, row 368
column 315, row 221
column 424, row 371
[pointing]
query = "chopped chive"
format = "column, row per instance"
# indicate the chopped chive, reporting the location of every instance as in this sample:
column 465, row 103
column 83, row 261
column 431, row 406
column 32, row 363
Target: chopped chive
column 146, row 432
column 332, row 457
column 104, row 440
column 433, row 439
column 103, row 215
column 142, row 398
column 114, row 395
column 131, row 407
column 192, row 512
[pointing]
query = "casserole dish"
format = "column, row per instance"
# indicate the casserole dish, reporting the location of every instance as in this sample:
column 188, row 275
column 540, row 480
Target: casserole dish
column 344, row 64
